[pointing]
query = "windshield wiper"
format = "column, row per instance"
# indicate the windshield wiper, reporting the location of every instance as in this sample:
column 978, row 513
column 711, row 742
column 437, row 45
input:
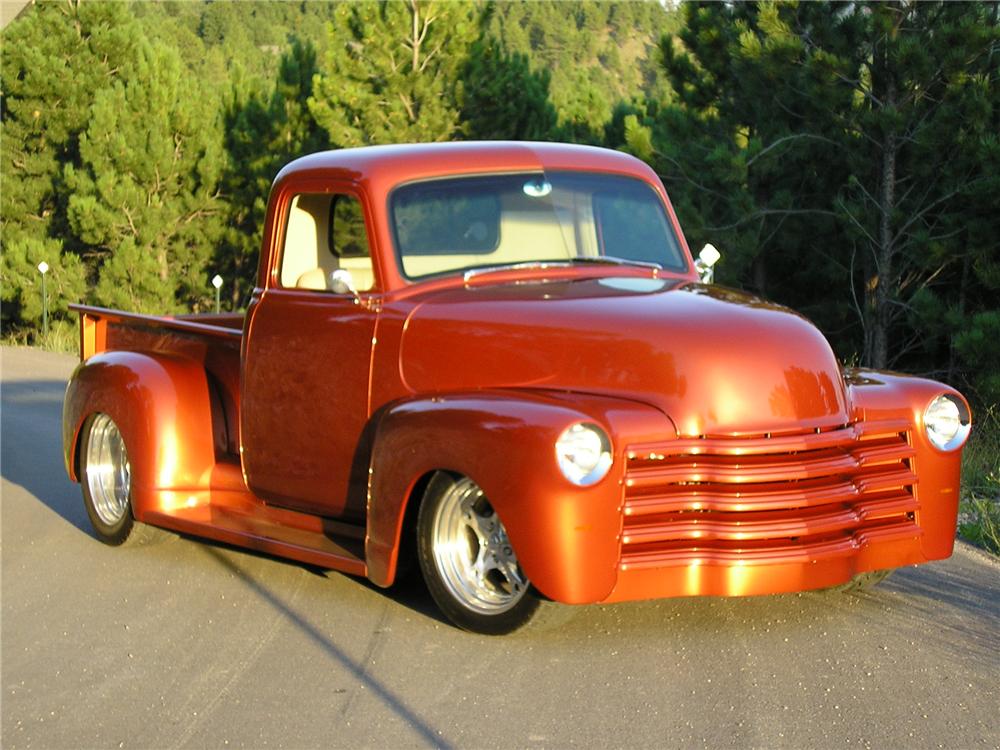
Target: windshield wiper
column 607, row 260
column 613, row 260
column 524, row 265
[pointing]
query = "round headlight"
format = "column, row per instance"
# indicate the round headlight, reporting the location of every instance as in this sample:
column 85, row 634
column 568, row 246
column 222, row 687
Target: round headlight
column 583, row 452
column 946, row 420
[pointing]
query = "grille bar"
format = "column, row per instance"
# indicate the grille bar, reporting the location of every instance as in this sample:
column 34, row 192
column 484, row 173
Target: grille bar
column 762, row 555
column 773, row 496
column 767, row 525
column 775, row 444
column 711, row 469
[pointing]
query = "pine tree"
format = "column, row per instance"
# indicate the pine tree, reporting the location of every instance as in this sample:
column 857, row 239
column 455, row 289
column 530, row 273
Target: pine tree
column 391, row 71
column 596, row 53
column 927, row 81
column 845, row 148
column 263, row 133
column 56, row 57
column 22, row 283
column 502, row 98
column 145, row 196
column 746, row 153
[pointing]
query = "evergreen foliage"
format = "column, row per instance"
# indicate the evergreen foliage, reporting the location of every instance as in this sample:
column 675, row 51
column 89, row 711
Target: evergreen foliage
column 263, row 132
column 597, row 54
column 145, row 196
column 234, row 43
column 844, row 157
column 390, row 74
column 503, row 98
column 54, row 59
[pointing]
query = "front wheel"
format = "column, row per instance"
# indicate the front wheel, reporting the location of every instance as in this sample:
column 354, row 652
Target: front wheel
column 467, row 560
column 106, row 478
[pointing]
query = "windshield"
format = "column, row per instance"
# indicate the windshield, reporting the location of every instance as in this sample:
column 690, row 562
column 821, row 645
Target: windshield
column 463, row 223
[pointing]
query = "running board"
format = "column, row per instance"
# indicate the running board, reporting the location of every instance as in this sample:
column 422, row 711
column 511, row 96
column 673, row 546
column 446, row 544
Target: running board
column 231, row 514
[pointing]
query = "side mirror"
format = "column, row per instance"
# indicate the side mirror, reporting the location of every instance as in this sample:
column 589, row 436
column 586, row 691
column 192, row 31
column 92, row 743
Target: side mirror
column 341, row 282
column 705, row 265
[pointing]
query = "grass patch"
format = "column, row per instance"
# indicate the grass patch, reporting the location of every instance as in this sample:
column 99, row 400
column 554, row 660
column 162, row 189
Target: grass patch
column 979, row 509
column 63, row 337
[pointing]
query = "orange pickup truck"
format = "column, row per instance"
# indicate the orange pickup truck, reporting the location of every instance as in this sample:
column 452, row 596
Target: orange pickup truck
column 500, row 362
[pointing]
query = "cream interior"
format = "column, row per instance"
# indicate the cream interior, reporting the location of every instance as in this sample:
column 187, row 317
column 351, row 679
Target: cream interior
column 307, row 262
column 526, row 234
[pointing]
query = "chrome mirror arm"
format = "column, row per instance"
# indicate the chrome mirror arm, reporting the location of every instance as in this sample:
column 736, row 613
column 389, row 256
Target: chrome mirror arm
column 341, row 282
column 705, row 263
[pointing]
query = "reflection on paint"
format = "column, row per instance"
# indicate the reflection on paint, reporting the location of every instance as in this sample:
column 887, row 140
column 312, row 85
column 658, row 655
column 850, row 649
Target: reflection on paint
column 738, row 578
column 692, row 427
column 805, row 394
column 169, row 501
column 692, row 582
column 729, row 406
column 169, row 456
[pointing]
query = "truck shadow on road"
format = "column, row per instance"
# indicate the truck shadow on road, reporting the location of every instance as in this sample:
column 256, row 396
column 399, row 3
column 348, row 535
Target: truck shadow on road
column 408, row 591
column 32, row 416
column 358, row 671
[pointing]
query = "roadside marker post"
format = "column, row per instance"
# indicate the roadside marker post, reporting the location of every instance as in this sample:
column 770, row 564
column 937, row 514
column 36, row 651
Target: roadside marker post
column 43, row 268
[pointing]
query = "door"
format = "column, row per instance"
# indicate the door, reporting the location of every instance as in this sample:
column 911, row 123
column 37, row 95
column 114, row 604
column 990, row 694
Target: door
column 307, row 362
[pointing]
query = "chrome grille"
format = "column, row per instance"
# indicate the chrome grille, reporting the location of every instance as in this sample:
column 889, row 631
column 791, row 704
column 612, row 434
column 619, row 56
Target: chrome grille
column 754, row 498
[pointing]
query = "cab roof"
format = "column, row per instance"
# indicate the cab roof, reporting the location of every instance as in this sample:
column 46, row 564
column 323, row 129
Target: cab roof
column 389, row 165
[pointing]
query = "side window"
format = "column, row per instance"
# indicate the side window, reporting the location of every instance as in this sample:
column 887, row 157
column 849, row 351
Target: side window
column 325, row 234
column 348, row 238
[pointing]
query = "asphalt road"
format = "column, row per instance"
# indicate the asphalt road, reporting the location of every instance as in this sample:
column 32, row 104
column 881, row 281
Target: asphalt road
column 188, row 644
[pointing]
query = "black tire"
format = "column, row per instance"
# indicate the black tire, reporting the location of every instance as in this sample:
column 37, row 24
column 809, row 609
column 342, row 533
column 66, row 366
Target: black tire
column 456, row 528
column 106, row 480
column 863, row 581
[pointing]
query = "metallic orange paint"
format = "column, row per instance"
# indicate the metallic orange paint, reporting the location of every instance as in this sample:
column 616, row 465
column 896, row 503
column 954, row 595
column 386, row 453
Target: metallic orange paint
column 745, row 461
column 161, row 404
column 293, row 370
column 675, row 347
column 505, row 440
column 374, row 171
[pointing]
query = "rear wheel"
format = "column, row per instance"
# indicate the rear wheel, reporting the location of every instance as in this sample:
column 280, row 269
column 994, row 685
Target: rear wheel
column 106, row 478
column 467, row 560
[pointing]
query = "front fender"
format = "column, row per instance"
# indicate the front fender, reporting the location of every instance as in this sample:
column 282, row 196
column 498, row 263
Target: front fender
column 887, row 396
column 567, row 538
column 162, row 406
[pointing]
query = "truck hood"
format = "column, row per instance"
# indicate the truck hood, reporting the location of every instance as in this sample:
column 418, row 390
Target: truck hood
column 716, row 361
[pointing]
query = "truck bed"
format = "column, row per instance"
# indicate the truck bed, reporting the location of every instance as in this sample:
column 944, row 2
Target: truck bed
column 97, row 324
column 212, row 340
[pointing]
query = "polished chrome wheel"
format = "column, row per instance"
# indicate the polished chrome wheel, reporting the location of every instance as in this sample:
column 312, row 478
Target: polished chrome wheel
column 471, row 551
column 107, row 471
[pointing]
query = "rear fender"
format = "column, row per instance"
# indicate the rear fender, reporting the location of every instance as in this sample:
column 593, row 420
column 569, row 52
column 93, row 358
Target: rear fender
column 162, row 406
column 566, row 537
